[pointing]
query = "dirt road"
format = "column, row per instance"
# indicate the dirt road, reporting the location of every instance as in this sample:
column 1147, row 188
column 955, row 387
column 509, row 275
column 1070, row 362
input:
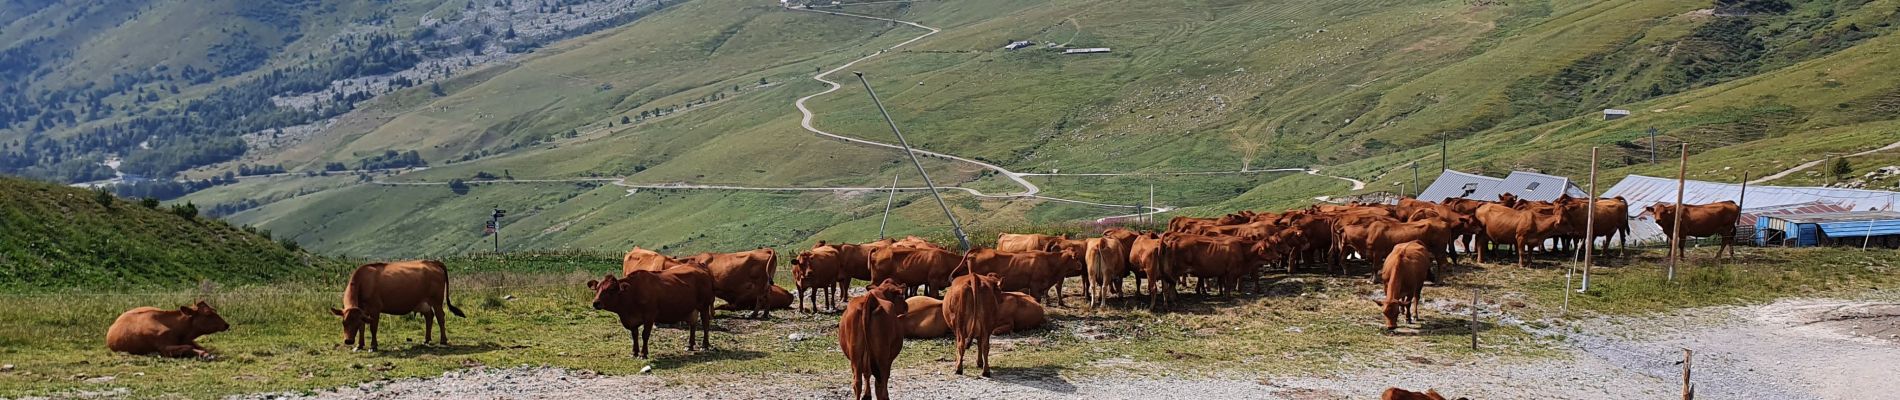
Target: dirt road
column 1792, row 349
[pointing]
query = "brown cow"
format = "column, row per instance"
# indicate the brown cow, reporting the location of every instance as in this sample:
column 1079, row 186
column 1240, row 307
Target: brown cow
column 1392, row 393
column 396, row 288
column 1520, row 228
column 1223, row 259
column 1434, row 233
column 1013, row 243
column 1019, row 312
column 645, row 298
column 1698, row 220
column 741, row 276
column 777, row 298
column 819, row 270
column 1148, row 255
column 1033, row 272
column 925, row 319
column 914, row 267
column 871, row 333
column 174, row 333
column 1107, row 261
column 640, row 259
column 1404, row 272
column 1315, row 232
column 970, row 307
column 1127, row 237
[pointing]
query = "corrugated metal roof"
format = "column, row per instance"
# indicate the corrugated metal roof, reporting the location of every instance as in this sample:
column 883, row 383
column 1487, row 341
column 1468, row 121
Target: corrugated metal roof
column 1452, row 184
column 1642, row 191
column 1813, row 207
column 1842, row 230
column 1531, row 186
column 1849, row 216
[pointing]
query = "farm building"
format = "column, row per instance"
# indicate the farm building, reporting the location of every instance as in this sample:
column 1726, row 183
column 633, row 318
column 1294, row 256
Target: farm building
column 1642, row 191
column 1090, row 50
column 1524, row 185
column 1614, row 114
column 1018, row 44
column 1849, row 228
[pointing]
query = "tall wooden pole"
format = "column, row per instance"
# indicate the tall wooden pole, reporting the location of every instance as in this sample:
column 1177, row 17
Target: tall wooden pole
column 1688, row 390
column 1675, row 226
column 1474, row 319
column 1590, row 225
column 1741, row 203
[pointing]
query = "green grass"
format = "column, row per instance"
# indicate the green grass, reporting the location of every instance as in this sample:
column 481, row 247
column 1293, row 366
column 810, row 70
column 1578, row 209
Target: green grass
column 284, row 340
column 59, row 236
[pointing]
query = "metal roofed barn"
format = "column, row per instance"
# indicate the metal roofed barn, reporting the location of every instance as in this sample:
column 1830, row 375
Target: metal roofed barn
column 1851, row 228
column 1642, row 191
column 1524, row 185
column 1455, row 184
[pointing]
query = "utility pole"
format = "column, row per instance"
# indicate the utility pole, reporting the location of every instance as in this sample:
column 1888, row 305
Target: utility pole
column 954, row 226
column 1675, row 227
column 1590, row 225
column 1444, row 142
column 1151, row 202
column 1652, row 145
column 494, row 226
column 1415, row 187
column 887, row 209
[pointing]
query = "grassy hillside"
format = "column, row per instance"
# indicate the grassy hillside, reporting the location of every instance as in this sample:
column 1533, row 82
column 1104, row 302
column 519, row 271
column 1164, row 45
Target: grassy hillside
column 58, row 236
column 1361, row 89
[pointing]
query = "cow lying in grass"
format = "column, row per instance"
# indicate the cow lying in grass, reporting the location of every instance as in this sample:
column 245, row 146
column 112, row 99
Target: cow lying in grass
column 174, row 333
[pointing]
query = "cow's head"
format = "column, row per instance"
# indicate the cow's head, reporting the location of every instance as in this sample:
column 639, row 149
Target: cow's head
column 203, row 319
column 888, row 290
column 1391, row 310
column 354, row 319
column 607, row 289
column 801, row 266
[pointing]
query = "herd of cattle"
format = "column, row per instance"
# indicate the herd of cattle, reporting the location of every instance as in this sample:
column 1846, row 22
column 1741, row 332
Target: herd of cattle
column 922, row 290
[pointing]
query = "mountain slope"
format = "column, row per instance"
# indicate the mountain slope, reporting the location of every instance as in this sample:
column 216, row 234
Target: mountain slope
column 1361, row 89
column 58, row 236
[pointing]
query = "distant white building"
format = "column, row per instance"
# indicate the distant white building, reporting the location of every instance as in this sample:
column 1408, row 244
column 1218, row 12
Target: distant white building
column 1018, row 44
column 1610, row 114
column 1090, row 50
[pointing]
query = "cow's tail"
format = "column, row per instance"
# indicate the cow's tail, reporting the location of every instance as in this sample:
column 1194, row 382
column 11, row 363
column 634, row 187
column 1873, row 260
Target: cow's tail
column 448, row 300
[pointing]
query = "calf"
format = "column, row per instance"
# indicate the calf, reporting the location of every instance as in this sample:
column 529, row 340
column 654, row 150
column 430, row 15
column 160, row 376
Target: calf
column 870, row 334
column 645, row 298
column 149, row 330
column 396, row 288
column 1713, row 219
column 1404, row 273
column 820, row 269
column 1019, row 312
column 1107, row 261
column 925, row 319
column 970, row 308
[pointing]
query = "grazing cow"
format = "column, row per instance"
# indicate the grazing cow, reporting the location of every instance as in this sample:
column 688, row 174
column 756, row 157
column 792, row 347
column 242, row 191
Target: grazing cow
column 1019, row 312
column 173, row 333
column 645, row 298
column 1699, row 220
column 970, row 307
column 1392, row 393
column 1033, row 272
column 1152, row 259
column 396, row 288
column 776, row 299
column 1223, row 259
column 1107, row 262
column 925, row 319
column 914, row 267
column 1404, row 274
column 820, row 269
column 640, row 259
column 1520, row 228
column 741, row 276
column 870, row 334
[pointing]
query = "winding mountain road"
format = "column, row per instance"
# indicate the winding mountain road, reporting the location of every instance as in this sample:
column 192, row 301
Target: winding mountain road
column 1811, row 164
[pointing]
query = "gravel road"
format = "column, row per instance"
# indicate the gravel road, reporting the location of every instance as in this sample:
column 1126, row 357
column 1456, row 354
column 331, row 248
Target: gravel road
column 1792, row 349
